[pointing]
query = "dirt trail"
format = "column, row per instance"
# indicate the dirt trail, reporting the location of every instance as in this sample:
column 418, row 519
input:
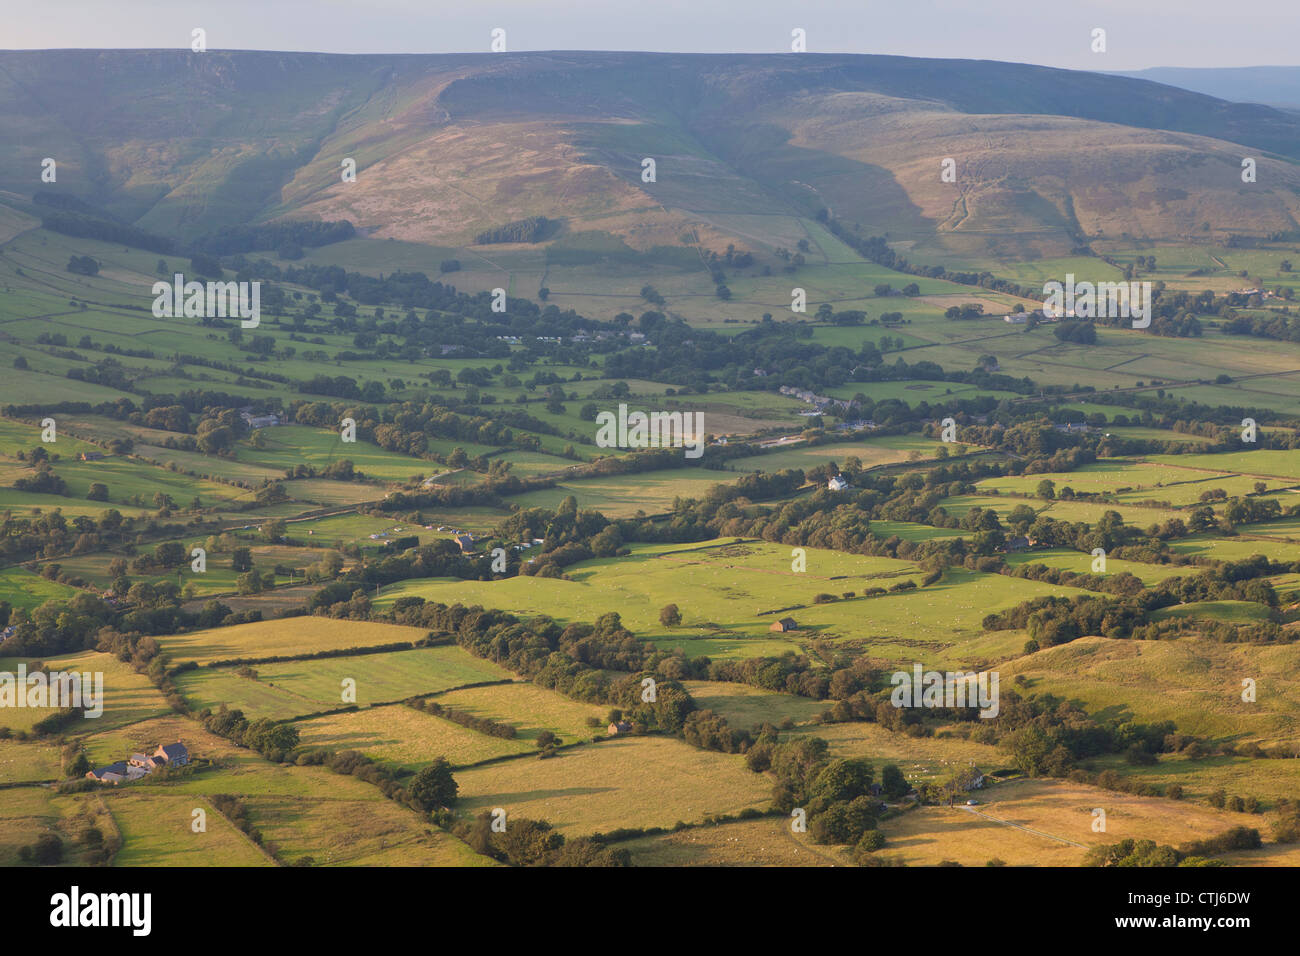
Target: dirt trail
column 1017, row 826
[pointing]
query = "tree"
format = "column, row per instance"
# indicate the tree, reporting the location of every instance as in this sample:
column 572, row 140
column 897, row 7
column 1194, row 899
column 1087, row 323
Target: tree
column 1046, row 489
column 670, row 616
column 892, row 781
column 434, row 786
column 98, row 492
column 241, row 559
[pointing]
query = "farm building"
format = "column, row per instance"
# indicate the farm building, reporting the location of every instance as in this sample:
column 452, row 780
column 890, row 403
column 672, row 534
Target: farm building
column 785, row 624
column 466, row 542
column 91, row 456
column 259, row 421
column 837, row 483
column 114, row 773
column 176, row 753
column 620, row 727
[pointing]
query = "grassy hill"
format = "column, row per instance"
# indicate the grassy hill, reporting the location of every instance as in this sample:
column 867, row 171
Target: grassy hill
column 447, row 147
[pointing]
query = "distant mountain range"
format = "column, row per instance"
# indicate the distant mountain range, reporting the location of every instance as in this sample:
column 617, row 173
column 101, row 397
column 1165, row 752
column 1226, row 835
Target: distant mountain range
column 451, row 146
column 1271, row 85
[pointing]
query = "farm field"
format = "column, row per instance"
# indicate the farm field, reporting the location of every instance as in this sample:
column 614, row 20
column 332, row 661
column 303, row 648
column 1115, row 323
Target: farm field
column 880, row 451
column 1057, row 825
column 624, row 496
column 294, row 688
column 28, row 762
column 1074, row 511
column 766, row 842
column 1082, row 563
column 156, row 831
column 718, row 581
column 1199, row 680
column 127, row 696
column 290, row 637
column 22, row 588
column 1133, row 482
column 625, row 782
column 746, row 706
column 406, row 738
column 28, row 812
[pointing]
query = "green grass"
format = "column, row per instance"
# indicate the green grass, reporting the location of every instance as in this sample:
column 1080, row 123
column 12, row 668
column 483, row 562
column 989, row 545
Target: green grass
column 157, row 831
column 405, row 738
column 290, row 637
column 128, row 697
column 23, row 589
column 744, row 706
column 1082, row 562
column 1196, row 683
column 287, row 446
column 293, row 688
column 624, row 782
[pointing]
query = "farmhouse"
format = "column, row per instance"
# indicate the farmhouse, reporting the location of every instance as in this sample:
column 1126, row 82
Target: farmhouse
column 466, row 543
column 619, row 727
column 837, row 483
column 785, row 624
column 91, row 456
column 259, row 421
column 175, row 754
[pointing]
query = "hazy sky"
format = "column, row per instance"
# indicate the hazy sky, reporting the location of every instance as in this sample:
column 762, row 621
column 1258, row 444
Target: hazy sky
column 1140, row 33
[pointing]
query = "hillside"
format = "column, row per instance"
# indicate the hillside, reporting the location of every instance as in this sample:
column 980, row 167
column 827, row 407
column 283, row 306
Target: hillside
column 448, row 147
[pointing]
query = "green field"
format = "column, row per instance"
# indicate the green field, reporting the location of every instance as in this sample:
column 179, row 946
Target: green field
column 293, row 688
column 292, row 637
column 628, row 782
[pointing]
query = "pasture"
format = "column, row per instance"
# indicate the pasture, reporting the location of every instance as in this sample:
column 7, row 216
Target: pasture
column 624, row 782
column 287, row 637
column 293, row 688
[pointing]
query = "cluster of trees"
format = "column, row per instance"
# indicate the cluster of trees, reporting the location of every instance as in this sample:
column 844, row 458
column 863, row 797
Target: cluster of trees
column 44, row 481
column 1197, row 853
column 484, row 725
column 274, row 741
column 1080, row 332
column 835, row 794
column 1053, row 620
column 526, row 842
column 532, row 229
column 275, row 235
column 83, row 265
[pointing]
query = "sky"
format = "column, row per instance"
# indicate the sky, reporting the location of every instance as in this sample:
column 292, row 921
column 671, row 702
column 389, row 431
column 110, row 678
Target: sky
column 1139, row 33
